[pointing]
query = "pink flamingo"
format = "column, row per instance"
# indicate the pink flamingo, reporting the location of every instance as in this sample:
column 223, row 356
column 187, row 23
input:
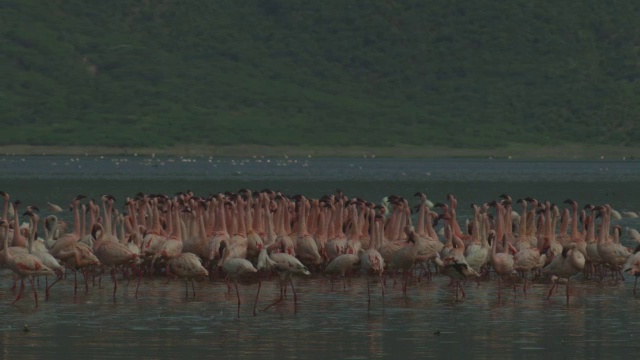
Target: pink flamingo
column 23, row 265
column 111, row 254
column 188, row 266
column 238, row 269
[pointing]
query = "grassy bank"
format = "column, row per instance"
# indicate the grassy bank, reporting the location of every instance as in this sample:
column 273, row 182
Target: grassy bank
column 467, row 74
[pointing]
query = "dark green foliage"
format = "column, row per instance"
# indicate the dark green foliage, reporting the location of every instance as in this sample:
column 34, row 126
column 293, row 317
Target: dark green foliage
column 466, row 74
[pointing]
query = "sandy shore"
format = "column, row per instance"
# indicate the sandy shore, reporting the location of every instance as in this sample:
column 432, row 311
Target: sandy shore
column 522, row 152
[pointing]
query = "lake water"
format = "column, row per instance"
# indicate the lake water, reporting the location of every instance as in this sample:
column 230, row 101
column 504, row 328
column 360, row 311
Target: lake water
column 599, row 320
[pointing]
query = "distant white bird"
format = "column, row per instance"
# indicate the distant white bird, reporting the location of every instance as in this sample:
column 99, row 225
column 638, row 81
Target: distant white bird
column 615, row 214
column 633, row 234
column 53, row 208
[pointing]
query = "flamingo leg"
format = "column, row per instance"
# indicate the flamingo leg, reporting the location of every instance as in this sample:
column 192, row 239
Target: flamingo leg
column 405, row 279
column 237, row 292
column 86, row 283
column 284, row 282
column 75, row 282
column 50, row 286
column 280, row 299
column 295, row 296
column 35, row 293
column 382, row 287
column 273, row 303
column 193, row 289
column 551, row 290
column 20, row 291
column 635, row 284
column 139, row 280
column 368, row 290
column 115, row 283
column 255, row 303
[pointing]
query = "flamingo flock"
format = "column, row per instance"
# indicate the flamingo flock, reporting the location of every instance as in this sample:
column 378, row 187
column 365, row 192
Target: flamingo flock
column 246, row 236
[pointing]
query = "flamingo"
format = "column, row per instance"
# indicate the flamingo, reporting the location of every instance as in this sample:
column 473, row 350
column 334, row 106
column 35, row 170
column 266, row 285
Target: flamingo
column 371, row 261
column 281, row 223
column 173, row 245
column 286, row 266
column 69, row 239
column 593, row 257
column 188, row 266
column 111, row 254
column 502, row 262
column 477, row 253
column 219, row 233
column 306, row 246
column 632, row 267
column 238, row 269
column 429, row 243
column 23, row 265
column 457, row 269
column 337, row 242
column 18, row 238
column 155, row 236
column 405, row 258
column 611, row 252
column 42, row 254
column 5, row 206
column 197, row 242
column 564, row 266
column 254, row 241
column 528, row 257
column 75, row 255
column 342, row 265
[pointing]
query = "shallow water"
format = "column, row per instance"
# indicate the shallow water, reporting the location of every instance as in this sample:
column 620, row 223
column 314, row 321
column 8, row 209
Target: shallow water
column 326, row 323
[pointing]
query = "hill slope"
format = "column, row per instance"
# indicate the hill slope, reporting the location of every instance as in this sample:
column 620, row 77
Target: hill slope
column 466, row 74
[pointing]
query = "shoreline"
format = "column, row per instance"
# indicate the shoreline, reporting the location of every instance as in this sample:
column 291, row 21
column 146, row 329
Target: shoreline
column 514, row 151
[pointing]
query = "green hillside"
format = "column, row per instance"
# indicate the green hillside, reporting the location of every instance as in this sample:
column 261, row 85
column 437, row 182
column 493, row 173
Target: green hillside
column 464, row 73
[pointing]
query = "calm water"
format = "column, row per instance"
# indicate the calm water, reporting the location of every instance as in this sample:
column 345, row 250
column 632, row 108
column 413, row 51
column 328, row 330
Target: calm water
column 600, row 319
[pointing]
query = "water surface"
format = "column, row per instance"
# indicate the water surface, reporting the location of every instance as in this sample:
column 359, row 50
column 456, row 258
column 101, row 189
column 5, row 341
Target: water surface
column 327, row 323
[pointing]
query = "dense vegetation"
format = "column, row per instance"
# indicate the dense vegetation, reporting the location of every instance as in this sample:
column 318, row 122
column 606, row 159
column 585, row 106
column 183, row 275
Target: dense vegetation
column 462, row 73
